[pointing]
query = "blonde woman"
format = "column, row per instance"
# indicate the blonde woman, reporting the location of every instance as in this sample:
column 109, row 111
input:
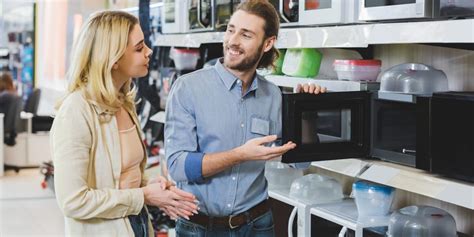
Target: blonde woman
column 97, row 148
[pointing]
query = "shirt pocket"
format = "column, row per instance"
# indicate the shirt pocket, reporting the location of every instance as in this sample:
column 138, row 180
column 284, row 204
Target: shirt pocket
column 260, row 126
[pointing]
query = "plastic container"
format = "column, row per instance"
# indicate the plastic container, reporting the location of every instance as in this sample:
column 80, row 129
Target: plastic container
column 184, row 59
column 279, row 175
column 326, row 71
column 421, row 221
column 357, row 70
column 316, row 189
column 372, row 199
column 302, row 62
column 413, row 78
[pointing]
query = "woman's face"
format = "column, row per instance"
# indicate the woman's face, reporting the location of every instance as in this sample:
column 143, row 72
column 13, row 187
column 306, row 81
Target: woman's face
column 134, row 62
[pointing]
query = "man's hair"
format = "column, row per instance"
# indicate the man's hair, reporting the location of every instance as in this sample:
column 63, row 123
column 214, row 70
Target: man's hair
column 265, row 10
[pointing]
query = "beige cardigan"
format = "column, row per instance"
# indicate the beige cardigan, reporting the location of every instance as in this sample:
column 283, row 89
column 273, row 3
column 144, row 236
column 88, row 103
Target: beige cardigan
column 87, row 161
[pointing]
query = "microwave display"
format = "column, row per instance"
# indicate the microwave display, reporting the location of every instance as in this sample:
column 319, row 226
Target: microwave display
column 317, row 4
column 378, row 3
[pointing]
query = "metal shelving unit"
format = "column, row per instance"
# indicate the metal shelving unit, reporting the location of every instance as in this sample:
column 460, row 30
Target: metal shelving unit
column 347, row 36
column 404, row 178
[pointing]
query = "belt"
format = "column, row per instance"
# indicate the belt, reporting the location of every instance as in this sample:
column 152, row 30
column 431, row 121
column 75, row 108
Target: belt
column 232, row 221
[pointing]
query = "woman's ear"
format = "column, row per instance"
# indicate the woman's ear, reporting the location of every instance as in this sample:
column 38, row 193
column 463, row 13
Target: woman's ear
column 115, row 66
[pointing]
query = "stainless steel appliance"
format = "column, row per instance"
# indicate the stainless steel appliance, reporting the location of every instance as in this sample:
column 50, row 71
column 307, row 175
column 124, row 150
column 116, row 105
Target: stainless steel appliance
column 174, row 16
column 210, row 15
column 328, row 12
column 456, row 8
column 377, row 10
column 360, row 124
column 453, row 134
column 288, row 10
column 201, row 15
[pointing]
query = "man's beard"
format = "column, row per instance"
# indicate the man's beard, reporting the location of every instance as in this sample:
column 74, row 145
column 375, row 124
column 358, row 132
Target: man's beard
column 247, row 63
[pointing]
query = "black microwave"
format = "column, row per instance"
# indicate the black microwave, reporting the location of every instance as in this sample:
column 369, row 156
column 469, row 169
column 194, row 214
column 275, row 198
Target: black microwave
column 361, row 124
column 453, row 134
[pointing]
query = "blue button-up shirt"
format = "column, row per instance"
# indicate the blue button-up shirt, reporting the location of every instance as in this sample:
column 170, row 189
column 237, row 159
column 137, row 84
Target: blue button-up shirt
column 207, row 112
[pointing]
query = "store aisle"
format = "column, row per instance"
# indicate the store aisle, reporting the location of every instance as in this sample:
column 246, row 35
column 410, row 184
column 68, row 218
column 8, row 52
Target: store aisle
column 25, row 208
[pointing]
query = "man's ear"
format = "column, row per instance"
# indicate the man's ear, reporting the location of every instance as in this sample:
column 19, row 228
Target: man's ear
column 269, row 43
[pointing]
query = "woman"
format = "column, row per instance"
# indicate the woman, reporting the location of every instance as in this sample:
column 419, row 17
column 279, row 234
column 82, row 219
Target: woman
column 96, row 142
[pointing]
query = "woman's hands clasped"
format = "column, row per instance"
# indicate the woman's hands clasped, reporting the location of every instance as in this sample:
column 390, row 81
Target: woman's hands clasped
column 172, row 200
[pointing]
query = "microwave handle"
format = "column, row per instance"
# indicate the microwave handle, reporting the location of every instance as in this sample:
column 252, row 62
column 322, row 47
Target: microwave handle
column 282, row 12
column 407, row 151
column 199, row 20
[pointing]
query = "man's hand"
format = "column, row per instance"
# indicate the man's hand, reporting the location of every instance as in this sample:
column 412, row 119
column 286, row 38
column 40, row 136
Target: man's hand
column 255, row 149
column 310, row 88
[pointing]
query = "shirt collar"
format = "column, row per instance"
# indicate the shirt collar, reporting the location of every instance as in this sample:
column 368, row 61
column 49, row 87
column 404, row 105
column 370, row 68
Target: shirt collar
column 230, row 79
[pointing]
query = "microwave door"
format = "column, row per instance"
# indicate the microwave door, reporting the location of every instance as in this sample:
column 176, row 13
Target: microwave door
column 289, row 12
column 224, row 9
column 373, row 10
column 328, row 126
column 321, row 12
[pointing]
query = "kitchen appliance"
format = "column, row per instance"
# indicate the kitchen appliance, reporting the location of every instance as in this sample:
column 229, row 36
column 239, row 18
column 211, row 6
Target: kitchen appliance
column 377, row 10
column 393, row 124
column 210, row 15
column 456, row 8
column 338, row 125
column 288, row 10
column 328, row 12
column 421, row 221
column 453, row 134
column 174, row 18
column 201, row 15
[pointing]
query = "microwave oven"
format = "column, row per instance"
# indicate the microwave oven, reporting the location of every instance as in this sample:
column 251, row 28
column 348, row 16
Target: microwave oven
column 377, row 10
column 453, row 134
column 174, row 17
column 357, row 124
column 316, row 12
column 328, row 12
column 456, row 8
column 210, row 15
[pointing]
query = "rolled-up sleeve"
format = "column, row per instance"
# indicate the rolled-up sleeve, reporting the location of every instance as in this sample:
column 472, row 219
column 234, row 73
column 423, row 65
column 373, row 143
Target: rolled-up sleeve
column 181, row 144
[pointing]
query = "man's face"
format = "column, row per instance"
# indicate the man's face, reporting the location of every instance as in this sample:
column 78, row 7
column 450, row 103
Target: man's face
column 244, row 41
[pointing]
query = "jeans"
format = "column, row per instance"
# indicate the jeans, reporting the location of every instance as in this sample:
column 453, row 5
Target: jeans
column 261, row 226
column 140, row 223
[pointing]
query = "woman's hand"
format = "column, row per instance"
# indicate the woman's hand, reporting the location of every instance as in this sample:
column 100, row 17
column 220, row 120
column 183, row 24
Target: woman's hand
column 175, row 202
column 165, row 184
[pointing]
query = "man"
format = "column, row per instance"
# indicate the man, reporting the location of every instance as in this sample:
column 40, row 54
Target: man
column 220, row 124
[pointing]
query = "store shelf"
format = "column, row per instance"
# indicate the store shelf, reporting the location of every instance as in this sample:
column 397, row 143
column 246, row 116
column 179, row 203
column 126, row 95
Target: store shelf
column 345, row 214
column 331, row 85
column 350, row 36
column 283, row 195
column 347, row 36
column 447, row 31
column 191, row 40
column 342, row 212
column 405, row 178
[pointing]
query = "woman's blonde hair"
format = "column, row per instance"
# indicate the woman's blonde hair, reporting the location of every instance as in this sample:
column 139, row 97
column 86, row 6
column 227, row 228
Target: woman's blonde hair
column 100, row 44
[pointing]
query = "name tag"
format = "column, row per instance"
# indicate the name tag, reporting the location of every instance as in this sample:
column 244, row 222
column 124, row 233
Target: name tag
column 260, row 126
